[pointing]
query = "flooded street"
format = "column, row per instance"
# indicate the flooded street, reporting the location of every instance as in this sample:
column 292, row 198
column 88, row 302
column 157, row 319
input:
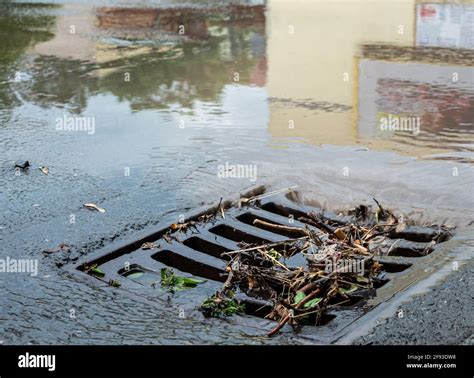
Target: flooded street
column 344, row 99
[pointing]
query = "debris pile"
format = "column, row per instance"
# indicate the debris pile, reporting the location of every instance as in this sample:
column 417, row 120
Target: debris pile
column 339, row 262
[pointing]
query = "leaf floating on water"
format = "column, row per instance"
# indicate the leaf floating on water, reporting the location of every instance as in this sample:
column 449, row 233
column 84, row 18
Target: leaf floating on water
column 93, row 206
column 45, row 170
column 22, row 164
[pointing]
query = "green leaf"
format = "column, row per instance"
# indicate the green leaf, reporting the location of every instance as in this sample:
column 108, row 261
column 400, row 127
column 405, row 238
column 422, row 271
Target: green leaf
column 312, row 303
column 97, row 272
column 174, row 282
column 275, row 254
column 191, row 282
column 351, row 289
column 217, row 306
column 299, row 297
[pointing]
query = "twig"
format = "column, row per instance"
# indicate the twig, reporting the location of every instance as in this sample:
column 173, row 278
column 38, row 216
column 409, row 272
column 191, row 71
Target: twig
column 273, row 259
column 281, row 227
column 268, row 194
column 270, row 245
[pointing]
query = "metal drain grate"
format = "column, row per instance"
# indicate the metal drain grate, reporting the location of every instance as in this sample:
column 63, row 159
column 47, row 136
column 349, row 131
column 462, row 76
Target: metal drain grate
column 198, row 253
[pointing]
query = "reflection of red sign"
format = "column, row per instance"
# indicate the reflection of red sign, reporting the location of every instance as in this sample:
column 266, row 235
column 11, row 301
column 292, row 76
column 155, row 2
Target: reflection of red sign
column 427, row 11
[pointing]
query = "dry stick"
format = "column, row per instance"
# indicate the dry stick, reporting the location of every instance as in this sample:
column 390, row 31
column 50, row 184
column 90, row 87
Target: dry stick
column 317, row 223
column 268, row 194
column 357, row 246
column 270, row 245
column 273, row 259
column 228, row 282
column 281, row 227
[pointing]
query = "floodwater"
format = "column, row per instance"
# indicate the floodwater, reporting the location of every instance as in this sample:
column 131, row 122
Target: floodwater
column 136, row 108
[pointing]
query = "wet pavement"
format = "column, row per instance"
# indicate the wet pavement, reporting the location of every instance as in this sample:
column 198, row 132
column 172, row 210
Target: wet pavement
column 278, row 85
column 442, row 316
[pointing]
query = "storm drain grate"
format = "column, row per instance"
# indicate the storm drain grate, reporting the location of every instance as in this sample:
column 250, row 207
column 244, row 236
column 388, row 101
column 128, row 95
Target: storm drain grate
column 198, row 253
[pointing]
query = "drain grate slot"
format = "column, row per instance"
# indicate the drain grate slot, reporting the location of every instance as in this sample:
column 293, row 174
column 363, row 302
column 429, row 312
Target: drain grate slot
column 185, row 264
column 378, row 284
column 205, row 246
column 410, row 250
column 352, row 301
column 284, row 211
column 236, row 235
column 254, row 308
column 392, row 267
column 248, row 218
column 421, row 234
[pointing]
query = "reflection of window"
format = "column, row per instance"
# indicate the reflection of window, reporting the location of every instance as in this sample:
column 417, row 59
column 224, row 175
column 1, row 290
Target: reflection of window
column 445, row 25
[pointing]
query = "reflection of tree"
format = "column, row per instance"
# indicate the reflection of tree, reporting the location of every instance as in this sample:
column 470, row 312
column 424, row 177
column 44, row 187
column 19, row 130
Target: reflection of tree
column 60, row 82
column 180, row 75
column 164, row 76
column 199, row 73
column 19, row 31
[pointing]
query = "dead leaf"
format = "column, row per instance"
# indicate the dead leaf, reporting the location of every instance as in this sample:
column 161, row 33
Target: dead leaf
column 149, row 245
column 340, row 234
column 45, row 170
column 93, row 206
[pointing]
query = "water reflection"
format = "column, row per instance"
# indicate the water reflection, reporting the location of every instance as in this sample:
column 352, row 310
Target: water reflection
column 375, row 70
column 158, row 76
column 325, row 84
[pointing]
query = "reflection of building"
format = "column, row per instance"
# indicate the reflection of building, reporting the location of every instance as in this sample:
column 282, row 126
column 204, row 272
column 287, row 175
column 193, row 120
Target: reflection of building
column 427, row 89
column 166, row 20
column 189, row 22
column 386, row 74
column 71, row 37
column 432, row 82
column 310, row 64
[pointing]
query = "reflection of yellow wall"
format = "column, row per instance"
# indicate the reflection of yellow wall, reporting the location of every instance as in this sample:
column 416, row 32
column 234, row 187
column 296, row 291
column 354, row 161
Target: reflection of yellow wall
column 310, row 64
column 71, row 39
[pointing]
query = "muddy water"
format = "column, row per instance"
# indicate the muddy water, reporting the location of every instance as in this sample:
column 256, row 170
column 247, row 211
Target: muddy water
column 309, row 92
